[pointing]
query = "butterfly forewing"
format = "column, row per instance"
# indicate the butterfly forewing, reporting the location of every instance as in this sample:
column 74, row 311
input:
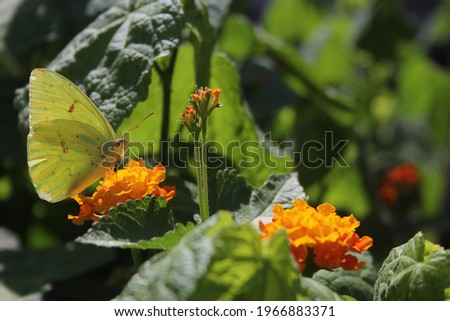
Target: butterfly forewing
column 67, row 134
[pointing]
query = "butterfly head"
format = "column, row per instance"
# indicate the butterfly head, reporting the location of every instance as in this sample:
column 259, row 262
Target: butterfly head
column 112, row 152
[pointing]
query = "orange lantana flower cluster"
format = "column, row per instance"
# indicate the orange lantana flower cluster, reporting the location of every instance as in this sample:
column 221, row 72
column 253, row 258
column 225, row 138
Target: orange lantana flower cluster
column 205, row 100
column 200, row 106
column 132, row 182
column 319, row 231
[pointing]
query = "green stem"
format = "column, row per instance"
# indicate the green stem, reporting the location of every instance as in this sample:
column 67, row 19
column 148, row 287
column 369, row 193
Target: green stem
column 199, row 172
column 204, row 168
column 137, row 258
column 200, row 154
column 166, row 75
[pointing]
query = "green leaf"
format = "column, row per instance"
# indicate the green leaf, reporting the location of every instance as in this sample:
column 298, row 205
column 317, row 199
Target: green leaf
column 284, row 122
column 133, row 224
column 345, row 186
column 438, row 29
column 280, row 274
column 228, row 191
column 313, row 290
column 416, row 270
column 168, row 240
column 28, row 271
column 245, row 268
column 282, row 188
column 303, row 79
column 432, row 187
column 218, row 261
column 184, row 204
column 237, row 38
column 111, row 59
column 282, row 17
column 417, row 71
column 357, row 284
column 233, row 131
column 447, row 294
column 329, row 53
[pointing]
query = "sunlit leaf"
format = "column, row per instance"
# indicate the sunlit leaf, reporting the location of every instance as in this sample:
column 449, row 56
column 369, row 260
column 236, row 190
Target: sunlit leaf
column 416, row 270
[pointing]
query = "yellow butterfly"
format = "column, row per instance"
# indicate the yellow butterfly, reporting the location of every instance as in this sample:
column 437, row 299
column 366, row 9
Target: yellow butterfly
column 70, row 143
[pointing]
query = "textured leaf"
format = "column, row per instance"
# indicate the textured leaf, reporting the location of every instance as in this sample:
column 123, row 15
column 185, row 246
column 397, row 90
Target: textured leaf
column 131, row 224
column 28, row 271
column 281, row 188
column 416, row 270
column 228, row 191
column 174, row 274
column 245, row 268
column 218, row 261
column 111, row 59
column 357, row 284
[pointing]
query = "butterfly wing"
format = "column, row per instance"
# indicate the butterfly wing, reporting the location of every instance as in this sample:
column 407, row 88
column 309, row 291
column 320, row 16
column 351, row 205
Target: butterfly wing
column 67, row 134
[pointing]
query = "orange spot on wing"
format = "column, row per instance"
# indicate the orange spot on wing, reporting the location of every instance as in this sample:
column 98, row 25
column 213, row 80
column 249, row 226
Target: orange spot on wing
column 71, row 108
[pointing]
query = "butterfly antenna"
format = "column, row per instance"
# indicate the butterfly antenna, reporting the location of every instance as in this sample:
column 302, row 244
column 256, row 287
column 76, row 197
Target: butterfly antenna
column 129, row 130
column 139, row 123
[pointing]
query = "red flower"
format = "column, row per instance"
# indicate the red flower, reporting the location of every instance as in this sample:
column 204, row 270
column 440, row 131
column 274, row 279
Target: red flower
column 396, row 180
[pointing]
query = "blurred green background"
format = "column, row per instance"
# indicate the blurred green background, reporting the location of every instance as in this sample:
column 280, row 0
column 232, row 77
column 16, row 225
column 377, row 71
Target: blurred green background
column 373, row 72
